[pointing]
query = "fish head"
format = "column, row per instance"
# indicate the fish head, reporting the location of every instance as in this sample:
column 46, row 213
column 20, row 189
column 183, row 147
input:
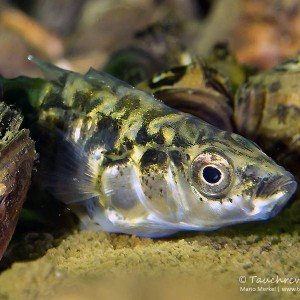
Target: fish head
column 232, row 181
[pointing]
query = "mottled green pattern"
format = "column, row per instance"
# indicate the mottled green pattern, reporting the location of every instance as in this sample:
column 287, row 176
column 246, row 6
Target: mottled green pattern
column 126, row 162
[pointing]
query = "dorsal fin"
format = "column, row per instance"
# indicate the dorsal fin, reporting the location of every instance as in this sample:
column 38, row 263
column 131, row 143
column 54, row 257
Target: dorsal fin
column 106, row 79
column 51, row 71
column 59, row 75
column 117, row 86
column 97, row 79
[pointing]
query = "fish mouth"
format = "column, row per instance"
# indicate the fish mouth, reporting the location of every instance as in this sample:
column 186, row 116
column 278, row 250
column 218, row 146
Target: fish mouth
column 269, row 203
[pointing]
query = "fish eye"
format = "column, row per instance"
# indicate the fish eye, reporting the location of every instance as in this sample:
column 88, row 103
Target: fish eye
column 211, row 174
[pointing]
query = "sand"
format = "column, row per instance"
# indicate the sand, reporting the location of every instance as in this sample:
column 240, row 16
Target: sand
column 85, row 265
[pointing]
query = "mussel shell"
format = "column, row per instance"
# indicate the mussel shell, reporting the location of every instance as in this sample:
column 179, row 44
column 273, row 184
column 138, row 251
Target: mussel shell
column 248, row 109
column 267, row 110
column 17, row 155
column 211, row 108
column 268, row 107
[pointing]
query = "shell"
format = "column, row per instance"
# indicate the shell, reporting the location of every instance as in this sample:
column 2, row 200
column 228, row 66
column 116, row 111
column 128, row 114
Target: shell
column 17, row 155
column 267, row 110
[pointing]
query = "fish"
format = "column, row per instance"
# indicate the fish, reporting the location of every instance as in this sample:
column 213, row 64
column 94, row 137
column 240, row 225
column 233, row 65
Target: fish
column 125, row 162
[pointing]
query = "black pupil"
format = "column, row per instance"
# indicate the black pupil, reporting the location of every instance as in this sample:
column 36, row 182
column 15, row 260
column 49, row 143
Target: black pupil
column 211, row 174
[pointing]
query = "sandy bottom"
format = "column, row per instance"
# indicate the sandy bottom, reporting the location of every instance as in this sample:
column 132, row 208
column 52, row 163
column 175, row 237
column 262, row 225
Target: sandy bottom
column 90, row 265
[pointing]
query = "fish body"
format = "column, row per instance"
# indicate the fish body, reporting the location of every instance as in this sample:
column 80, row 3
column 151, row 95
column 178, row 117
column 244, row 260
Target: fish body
column 125, row 162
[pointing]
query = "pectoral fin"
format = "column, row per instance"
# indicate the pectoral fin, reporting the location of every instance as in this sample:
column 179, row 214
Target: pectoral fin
column 65, row 169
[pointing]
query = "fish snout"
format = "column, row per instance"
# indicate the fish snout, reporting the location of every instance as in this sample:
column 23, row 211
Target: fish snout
column 272, row 185
column 273, row 193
